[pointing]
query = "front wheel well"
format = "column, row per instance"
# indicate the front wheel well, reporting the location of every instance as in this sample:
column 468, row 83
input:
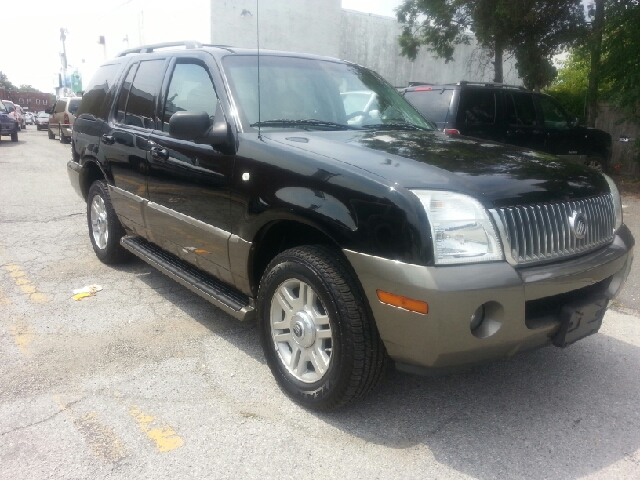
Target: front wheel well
column 90, row 173
column 277, row 237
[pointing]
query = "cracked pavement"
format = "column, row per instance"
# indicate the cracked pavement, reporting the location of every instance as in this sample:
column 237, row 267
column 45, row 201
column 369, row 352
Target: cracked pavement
column 146, row 379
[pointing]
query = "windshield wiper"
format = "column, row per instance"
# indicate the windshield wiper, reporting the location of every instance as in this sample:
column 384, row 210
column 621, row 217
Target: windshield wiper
column 394, row 126
column 311, row 122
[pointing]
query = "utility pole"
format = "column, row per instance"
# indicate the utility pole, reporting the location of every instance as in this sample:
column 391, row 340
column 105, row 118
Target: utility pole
column 63, row 56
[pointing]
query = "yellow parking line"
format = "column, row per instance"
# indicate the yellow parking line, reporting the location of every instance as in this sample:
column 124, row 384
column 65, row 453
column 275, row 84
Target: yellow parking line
column 164, row 437
column 101, row 439
column 20, row 278
column 23, row 335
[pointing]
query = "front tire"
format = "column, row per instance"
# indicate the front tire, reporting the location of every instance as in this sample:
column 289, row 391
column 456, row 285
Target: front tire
column 316, row 330
column 51, row 135
column 105, row 230
column 14, row 136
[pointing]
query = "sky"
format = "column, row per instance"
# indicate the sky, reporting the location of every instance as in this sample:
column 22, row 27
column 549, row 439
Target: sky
column 32, row 57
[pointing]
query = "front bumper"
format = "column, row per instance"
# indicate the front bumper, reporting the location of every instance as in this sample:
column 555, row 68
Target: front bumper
column 522, row 305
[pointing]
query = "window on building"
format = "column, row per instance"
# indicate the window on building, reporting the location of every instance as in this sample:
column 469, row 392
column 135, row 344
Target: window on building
column 44, row 102
column 37, row 101
column 28, row 100
column 21, row 101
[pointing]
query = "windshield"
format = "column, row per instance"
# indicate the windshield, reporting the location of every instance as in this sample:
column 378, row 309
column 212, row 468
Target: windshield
column 43, row 115
column 2, row 107
column 312, row 93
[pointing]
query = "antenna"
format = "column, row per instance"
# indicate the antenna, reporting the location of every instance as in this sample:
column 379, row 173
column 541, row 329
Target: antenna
column 258, row 37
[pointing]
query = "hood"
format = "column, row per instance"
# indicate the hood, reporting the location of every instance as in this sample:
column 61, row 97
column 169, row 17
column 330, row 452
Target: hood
column 497, row 175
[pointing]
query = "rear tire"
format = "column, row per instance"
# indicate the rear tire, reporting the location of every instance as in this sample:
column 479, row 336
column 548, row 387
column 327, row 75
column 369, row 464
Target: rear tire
column 321, row 343
column 63, row 139
column 14, row 136
column 105, row 230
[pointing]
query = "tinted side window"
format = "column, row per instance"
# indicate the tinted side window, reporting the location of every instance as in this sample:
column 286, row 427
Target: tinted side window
column 477, row 106
column 140, row 111
column 432, row 104
column 552, row 114
column 124, row 93
column 60, row 106
column 73, row 105
column 520, row 109
column 93, row 101
column 190, row 89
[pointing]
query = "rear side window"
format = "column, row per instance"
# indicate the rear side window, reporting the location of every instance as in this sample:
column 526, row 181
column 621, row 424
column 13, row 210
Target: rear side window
column 520, row 109
column 432, row 104
column 140, row 111
column 73, row 105
column 93, row 100
column 60, row 106
column 477, row 107
column 124, row 93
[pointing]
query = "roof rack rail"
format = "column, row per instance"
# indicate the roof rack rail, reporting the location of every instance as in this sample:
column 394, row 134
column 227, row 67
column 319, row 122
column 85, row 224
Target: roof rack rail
column 151, row 48
column 490, row 84
column 415, row 84
column 228, row 48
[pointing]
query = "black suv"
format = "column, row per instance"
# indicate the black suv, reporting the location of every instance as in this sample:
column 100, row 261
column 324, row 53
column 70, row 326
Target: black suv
column 326, row 208
column 513, row 115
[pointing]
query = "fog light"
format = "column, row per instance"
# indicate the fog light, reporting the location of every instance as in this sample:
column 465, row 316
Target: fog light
column 477, row 318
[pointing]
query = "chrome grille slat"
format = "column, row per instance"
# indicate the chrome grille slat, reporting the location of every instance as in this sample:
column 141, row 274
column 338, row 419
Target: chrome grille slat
column 539, row 232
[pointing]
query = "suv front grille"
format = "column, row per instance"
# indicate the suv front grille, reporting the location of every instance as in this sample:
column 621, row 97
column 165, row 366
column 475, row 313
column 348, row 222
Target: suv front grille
column 540, row 232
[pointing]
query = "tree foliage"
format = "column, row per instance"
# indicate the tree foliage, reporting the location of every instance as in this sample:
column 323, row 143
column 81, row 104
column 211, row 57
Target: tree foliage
column 620, row 67
column 28, row 88
column 532, row 30
column 6, row 83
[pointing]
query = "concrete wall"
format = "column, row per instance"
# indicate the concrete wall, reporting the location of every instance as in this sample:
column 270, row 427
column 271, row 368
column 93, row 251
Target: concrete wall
column 372, row 41
column 308, row 26
column 324, row 28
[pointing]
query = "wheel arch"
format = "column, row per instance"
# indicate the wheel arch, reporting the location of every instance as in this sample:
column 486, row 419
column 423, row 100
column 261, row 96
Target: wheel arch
column 91, row 171
column 277, row 236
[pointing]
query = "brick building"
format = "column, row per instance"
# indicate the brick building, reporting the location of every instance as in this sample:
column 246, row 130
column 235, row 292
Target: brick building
column 34, row 101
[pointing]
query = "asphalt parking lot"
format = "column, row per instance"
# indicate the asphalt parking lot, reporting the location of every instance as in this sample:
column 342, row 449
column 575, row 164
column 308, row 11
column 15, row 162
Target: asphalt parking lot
column 147, row 380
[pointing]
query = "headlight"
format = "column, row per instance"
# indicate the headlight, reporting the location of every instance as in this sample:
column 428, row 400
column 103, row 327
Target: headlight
column 461, row 229
column 617, row 202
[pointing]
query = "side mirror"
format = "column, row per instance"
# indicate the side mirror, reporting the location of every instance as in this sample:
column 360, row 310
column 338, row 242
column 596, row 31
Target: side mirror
column 196, row 126
column 189, row 125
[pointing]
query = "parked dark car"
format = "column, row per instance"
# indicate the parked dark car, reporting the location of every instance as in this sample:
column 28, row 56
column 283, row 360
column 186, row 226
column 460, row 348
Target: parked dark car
column 513, row 115
column 351, row 237
column 8, row 124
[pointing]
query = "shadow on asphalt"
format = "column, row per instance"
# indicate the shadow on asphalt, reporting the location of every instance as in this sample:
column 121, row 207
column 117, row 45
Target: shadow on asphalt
column 550, row 413
column 8, row 143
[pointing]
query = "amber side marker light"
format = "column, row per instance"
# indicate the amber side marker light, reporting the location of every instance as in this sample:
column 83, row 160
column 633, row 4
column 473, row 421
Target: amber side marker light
column 403, row 302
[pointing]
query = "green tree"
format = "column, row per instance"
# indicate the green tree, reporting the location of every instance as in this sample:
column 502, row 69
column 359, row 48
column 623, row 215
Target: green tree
column 570, row 86
column 620, row 66
column 28, row 88
column 6, row 83
column 532, row 30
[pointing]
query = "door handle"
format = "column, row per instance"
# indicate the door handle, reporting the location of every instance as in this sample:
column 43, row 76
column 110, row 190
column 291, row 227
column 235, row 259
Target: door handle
column 108, row 139
column 159, row 153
